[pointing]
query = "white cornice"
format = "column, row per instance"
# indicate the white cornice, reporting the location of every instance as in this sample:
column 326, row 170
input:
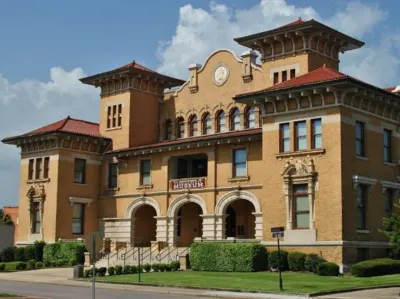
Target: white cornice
column 389, row 185
column 81, row 200
column 358, row 179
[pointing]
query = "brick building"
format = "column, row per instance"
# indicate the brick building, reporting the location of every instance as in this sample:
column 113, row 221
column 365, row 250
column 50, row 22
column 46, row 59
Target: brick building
column 13, row 213
column 238, row 148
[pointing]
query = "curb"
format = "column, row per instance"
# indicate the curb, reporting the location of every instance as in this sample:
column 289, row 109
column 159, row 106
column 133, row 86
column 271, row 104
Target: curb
column 349, row 290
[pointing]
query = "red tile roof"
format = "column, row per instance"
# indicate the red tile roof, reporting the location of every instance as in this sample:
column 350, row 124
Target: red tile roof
column 67, row 125
column 390, row 88
column 297, row 22
column 135, row 65
column 323, row 74
column 246, row 132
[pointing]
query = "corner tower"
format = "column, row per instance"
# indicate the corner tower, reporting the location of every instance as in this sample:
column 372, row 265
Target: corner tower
column 298, row 48
column 129, row 109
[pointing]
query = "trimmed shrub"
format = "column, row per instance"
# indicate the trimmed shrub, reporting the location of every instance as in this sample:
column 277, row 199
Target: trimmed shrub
column 168, row 267
column 147, row 267
column 228, row 257
column 29, row 253
column 39, row 265
column 296, row 261
column 175, row 265
column 102, row 271
column 127, row 270
column 377, row 267
column 274, row 261
column 50, row 252
column 59, row 263
column 20, row 266
column 156, row 267
column 2, row 267
column 8, row 254
column 72, row 262
column 19, row 254
column 312, row 262
column 47, row 264
column 111, row 271
column 31, row 265
column 88, row 272
column 134, row 269
column 39, row 246
column 65, row 252
column 328, row 269
column 163, row 267
column 118, row 270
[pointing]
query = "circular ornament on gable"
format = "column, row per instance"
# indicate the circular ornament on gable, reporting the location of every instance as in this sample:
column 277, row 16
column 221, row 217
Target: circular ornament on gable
column 220, row 74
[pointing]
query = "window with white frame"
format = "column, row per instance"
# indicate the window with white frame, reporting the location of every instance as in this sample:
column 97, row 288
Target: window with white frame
column 239, row 162
column 145, row 178
column 78, row 218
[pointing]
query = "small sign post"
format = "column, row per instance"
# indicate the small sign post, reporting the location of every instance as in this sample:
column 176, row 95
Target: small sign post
column 94, row 266
column 138, row 241
column 278, row 232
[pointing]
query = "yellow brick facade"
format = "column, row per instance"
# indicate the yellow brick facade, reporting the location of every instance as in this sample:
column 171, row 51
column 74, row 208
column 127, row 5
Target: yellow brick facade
column 255, row 202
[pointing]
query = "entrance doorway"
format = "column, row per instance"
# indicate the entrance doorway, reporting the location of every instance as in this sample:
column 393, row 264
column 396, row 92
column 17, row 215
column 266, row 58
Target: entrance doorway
column 189, row 224
column 240, row 221
column 145, row 225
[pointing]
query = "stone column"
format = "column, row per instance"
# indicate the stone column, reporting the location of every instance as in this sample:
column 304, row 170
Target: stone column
column 258, row 226
column 208, row 227
column 287, row 191
column 171, row 231
column 311, row 202
column 220, row 230
column 162, row 228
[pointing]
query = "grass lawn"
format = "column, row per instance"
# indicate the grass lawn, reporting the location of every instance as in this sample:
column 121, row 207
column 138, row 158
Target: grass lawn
column 258, row 281
column 7, row 295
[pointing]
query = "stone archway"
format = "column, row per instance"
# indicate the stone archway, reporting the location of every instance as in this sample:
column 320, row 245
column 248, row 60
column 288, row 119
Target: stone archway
column 221, row 212
column 185, row 220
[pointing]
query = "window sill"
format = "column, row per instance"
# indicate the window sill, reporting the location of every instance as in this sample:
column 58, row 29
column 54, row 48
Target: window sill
column 143, row 187
column 389, row 163
column 113, row 129
column 362, row 158
column 363, row 231
column 112, row 189
column 80, row 184
column 38, row 181
column 239, row 179
column 301, row 153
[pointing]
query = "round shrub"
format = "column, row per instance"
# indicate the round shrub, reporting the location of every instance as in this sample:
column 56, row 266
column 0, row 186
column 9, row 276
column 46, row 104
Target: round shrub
column 19, row 254
column 47, row 264
column 328, row 269
column 118, row 270
column 377, row 267
column 88, row 272
column 111, row 271
column 134, row 269
column 31, row 264
column 175, row 265
column 39, row 245
column 8, row 254
column 2, row 267
column 163, row 267
column 39, row 265
column 20, row 266
column 72, row 262
column 168, row 267
column 312, row 262
column 147, row 267
column 274, row 263
column 127, row 270
column 29, row 253
column 102, row 271
column 296, row 261
column 155, row 267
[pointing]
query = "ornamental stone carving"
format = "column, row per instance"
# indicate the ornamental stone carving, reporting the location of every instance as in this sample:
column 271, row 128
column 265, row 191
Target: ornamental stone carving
column 220, row 74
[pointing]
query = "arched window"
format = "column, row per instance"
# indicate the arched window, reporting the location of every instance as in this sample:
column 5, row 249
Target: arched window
column 220, row 121
column 193, row 126
column 207, row 123
column 250, row 118
column 235, row 119
column 180, row 127
column 168, row 129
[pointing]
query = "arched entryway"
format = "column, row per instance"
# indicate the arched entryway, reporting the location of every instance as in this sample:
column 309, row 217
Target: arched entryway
column 239, row 215
column 185, row 220
column 143, row 212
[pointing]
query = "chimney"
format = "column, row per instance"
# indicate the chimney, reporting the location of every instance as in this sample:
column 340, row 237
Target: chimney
column 193, row 84
column 249, row 58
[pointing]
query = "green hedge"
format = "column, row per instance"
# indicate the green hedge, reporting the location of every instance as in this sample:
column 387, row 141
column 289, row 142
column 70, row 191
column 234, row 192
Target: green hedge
column 8, row 254
column 273, row 260
column 328, row 269
column 312, row 262
column 228, row 257
column 60, row 254
column 296, row 261
column 377, row 267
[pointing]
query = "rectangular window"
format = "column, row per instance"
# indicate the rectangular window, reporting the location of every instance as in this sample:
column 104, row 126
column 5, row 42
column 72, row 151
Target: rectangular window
column 38, row 168
column 387, row 145
column 78, row 218
column 389, row 203
column 46, row 168
column 316, row 141
column 108, row 117
column 361, row 207
column 239, row 163
column 276, row 78
column 114, row 116
column 80, row 171
column 145, row 172
column 119, row 115
column 292, row 73
column 285, row 138
column 360, row 139
column 362, row 254
column 36, row 219
column 301, row 207
column 30, row 171
column 113, row 175
column 284, row 76
column 301, row 135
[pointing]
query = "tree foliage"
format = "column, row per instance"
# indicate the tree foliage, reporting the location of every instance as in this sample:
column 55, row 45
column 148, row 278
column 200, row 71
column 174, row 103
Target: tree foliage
column 392, row 231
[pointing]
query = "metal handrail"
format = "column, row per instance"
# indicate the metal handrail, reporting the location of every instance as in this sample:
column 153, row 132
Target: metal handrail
column 150, row 253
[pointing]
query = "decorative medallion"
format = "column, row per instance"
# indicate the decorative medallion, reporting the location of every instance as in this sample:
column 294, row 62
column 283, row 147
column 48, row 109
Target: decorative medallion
column 220, row 74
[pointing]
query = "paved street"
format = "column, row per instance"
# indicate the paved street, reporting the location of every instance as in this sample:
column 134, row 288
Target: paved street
column 391, row 293
column 73, row 292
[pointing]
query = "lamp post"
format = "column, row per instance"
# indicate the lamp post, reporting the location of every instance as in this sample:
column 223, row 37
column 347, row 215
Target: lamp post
column 139, row 241
column 278, row 232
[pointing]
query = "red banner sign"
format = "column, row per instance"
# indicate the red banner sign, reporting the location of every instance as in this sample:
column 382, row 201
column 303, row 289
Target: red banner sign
column 197, row 183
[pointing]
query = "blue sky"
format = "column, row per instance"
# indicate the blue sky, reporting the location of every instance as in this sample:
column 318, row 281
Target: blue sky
column 47, row 45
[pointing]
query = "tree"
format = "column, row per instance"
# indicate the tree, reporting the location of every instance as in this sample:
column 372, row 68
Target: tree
column 5, row 218
column 391, row 229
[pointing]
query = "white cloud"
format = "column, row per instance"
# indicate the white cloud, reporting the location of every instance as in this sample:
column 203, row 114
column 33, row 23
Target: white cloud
column 199, row 32
column 29, row 104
